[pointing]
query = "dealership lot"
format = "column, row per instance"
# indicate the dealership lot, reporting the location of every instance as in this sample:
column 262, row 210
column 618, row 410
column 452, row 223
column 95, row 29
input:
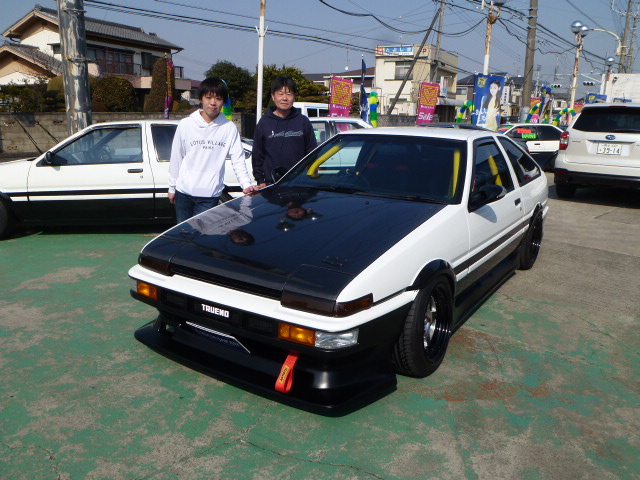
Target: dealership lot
column 541, row 382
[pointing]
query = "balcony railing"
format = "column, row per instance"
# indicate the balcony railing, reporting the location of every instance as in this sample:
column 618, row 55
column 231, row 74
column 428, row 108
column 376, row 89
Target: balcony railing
column 123, row 68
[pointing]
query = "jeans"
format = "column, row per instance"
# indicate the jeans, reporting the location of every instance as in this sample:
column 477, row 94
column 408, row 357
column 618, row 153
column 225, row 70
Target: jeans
column 188, row 206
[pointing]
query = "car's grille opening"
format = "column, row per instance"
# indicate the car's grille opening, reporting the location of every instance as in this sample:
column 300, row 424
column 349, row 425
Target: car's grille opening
column 260, row 325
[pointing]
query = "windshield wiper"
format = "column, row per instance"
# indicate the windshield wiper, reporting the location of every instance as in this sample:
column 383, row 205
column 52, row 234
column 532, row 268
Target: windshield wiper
column 626, row 130
column 414, row 198
column 336, row 188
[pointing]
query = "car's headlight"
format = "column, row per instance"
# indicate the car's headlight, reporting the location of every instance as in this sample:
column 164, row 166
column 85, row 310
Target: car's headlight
column 325, row 307
column 154, row 264
column 317, row 338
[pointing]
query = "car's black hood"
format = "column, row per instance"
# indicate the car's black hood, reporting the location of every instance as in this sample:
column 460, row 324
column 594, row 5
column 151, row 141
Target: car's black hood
column 259, row 241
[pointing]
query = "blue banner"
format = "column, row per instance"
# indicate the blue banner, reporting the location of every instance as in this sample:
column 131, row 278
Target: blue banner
column 488, row 101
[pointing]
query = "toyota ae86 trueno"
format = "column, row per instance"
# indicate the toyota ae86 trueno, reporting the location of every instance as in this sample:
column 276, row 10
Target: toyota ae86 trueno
column 358, row 263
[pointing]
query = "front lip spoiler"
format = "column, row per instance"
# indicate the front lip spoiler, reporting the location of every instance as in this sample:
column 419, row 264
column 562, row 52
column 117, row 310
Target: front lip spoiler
column 328, row 388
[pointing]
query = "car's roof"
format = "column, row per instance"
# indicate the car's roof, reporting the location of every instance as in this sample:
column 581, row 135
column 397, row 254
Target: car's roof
column 454, row 125
column 437, row 132
column 522, row 124
column 612, row 104
column 338, row 119
column 129, row 122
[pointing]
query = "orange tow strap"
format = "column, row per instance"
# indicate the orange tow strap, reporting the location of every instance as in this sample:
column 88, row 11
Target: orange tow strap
column 284, row 382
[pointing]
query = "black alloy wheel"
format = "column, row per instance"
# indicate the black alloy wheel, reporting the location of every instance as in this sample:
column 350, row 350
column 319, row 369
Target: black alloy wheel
column 422, row 345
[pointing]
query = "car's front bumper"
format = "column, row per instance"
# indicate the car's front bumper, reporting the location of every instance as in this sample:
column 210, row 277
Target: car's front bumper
column 324, row 381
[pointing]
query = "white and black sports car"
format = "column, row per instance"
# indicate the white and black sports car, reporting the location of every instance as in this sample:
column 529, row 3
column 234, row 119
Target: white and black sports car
column 359, row 263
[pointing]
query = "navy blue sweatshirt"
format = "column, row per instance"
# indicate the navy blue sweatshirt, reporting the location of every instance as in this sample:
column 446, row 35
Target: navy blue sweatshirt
column 280, row 142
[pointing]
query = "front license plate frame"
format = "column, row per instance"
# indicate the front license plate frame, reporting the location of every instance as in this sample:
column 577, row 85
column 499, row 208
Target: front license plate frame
column 609, row 149
column 220, row 338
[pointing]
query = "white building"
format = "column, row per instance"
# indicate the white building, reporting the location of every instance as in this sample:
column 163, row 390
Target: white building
column 392, row 64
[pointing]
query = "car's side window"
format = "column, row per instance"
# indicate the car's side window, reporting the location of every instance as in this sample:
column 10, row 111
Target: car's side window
column 345, row 126
column 162, row 139
column 526, row 169
column 525, row 133
column 321, row 130
column 550, row 133
column 102, row 146
column 490, row 167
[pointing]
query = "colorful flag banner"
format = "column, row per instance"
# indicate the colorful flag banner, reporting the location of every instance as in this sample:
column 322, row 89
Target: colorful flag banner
column 427, row 102
column 341, row 96
column 364, row 100
column 373, row 109
column 227, row 108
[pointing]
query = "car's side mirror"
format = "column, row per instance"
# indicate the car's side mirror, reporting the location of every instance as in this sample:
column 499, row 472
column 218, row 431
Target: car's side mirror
column 47, row 157
column 485, row 195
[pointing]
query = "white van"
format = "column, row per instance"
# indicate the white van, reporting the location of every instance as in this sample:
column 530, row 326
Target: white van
column 313, row 109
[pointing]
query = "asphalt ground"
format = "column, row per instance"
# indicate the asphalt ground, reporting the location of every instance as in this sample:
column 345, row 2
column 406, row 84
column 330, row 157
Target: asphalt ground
column 541, row 383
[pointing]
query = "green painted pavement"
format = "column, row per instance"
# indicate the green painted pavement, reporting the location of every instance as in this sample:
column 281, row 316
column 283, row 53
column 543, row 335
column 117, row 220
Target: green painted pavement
column 530, row 389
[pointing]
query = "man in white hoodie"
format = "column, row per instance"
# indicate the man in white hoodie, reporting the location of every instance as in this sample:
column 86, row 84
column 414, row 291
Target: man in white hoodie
column 200, row 146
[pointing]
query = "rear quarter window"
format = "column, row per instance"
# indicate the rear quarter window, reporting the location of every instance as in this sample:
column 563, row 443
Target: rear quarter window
column 526, row 169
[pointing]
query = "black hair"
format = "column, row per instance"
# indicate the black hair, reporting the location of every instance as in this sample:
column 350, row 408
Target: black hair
column 213, row 85
column 284, row 82
column 497, row 103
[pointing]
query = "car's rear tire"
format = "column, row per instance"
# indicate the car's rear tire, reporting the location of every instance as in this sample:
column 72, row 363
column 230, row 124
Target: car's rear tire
column 565, row 190
column 531, row 242
column 422, row 345
column 7, row 220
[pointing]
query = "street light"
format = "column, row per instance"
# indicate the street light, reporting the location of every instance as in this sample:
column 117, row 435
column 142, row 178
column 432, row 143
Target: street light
column 580, row 31
column 609, row 61
column 494, row 14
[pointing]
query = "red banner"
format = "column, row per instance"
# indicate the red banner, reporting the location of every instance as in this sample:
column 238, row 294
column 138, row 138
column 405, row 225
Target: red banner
column 341, row 93
column 427, row 102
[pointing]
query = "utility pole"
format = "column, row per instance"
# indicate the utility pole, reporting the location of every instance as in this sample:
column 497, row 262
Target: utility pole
column 261, row 34
column 525, row 100
column 434, row 70
column 622, row 66
column 75, row 68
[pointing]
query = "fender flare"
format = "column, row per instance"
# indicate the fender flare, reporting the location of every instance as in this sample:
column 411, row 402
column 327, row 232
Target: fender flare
column 431, row 269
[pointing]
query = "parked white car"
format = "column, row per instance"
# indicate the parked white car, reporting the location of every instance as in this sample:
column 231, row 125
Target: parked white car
column 600, row 148
column 543, row 140
column 363, row 259
column 108, row 173
column 327, row 127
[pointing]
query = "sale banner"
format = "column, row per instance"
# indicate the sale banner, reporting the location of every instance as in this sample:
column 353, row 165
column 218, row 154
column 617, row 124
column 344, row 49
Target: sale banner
column 341, row 93
column 427, row 103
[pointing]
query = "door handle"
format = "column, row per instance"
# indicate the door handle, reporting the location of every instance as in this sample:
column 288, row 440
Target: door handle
column 134, row 170
column 517, row 201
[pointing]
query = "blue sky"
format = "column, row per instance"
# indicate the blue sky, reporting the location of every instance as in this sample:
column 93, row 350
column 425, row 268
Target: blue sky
column 205, row 45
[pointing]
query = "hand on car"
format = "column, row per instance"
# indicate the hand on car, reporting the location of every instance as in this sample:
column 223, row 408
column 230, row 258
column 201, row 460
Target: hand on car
column 252, row 188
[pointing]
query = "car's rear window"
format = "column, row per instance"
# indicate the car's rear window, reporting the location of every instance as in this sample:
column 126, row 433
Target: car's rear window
column 609, row 119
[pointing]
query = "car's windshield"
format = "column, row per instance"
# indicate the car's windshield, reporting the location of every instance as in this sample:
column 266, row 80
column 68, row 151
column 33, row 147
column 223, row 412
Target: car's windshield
column 420, row 168
column 609, row 119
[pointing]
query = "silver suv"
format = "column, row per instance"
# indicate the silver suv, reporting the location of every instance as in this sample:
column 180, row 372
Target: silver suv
column 601, row 148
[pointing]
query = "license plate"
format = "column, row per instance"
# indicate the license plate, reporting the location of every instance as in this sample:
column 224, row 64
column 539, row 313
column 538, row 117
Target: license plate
column 609, row 148
column 219, row 337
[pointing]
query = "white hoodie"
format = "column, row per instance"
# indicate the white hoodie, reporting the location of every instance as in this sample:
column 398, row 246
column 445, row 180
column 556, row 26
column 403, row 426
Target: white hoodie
column 198, row 156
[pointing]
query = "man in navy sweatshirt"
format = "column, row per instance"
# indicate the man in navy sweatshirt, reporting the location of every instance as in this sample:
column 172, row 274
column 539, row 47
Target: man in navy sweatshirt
column 282, row 137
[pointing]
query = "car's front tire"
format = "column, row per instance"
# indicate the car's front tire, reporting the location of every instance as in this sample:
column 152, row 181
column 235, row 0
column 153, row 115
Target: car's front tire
column 565, row 190
column 7, row 220
column 422, row 345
